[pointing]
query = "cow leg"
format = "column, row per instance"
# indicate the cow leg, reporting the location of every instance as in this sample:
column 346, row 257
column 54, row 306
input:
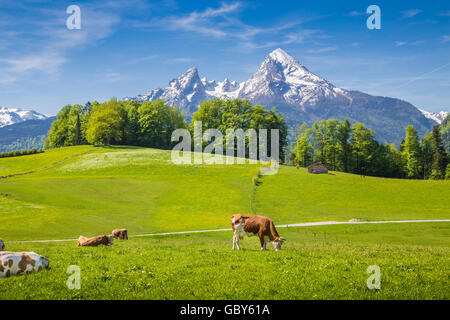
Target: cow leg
column 236, row 242
column 263, row 242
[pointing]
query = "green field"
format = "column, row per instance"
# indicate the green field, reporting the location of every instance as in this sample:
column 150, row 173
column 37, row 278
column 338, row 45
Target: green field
column 88, row 191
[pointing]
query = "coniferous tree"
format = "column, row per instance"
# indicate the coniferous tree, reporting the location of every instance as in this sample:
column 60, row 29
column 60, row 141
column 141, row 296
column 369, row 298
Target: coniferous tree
column 363, row 144
column 319, row 130
column 344, row 147
column 411, row 152
column 77, row 131
column 303, row 150
column 440, row 157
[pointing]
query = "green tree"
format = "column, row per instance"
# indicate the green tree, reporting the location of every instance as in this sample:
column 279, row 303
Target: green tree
column 411, row 152
column 240, row 114
column 157, row 121
column 344, row 146
column 440, row 157
column 58, row 135
column 131, row 126
column 331, row 145
column 77, row 131
column 363, row 144
column 320, row 138
column 105, row 123
column 426, row 155
column 303, row 150
column 444, row 128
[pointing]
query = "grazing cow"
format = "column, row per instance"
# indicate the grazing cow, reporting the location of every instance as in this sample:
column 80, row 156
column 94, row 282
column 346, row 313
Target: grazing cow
column 250, row 225
column 15, row 263
column 2, row 245
column 107, row 240
column 120, row 233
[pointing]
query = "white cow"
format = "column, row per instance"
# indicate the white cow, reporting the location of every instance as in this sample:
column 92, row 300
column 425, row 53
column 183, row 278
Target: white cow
column 15, row 263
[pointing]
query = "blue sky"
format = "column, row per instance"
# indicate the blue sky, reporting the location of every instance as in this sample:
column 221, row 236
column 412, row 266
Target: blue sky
column 126, row 48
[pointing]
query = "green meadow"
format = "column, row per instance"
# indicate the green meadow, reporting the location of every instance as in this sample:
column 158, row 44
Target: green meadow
column 89, row 191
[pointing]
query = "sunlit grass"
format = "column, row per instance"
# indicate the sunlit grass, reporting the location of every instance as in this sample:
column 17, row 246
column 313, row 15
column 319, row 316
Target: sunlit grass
column 315, row 263
column 90, row 191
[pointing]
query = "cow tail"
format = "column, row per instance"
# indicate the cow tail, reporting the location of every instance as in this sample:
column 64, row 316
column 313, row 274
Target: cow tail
column 273, row 231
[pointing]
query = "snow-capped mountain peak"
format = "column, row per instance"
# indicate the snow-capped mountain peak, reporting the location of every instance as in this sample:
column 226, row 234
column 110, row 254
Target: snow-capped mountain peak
column 14, row 115
column 282, row 80
column 300, row 95
column 438, row 117
column 283, row 57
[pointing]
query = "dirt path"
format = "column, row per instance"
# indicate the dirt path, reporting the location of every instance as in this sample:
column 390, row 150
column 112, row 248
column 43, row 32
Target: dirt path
column 294, row 225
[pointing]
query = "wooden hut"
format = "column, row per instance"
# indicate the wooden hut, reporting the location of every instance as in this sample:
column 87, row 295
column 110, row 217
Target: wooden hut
column 317, row 168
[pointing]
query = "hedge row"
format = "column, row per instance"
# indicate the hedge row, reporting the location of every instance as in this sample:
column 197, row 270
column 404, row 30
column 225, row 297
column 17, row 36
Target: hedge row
column 17, row 153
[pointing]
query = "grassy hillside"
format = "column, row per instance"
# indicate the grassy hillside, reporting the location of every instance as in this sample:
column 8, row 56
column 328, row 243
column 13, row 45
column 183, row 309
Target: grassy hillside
column 89, row 191
column 118, row 187
column 293, row 195
column 86, row 190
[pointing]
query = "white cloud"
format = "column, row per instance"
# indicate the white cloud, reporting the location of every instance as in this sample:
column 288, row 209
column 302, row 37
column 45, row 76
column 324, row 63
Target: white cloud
column 413, row 43
column 322, row 50
column 50, row 41
column 411, row 13
column 179, row 60
column 356, row 13
column 143, row 59
column 222, row 23
column 203, row 22
column 44, row 62
column 446, row 38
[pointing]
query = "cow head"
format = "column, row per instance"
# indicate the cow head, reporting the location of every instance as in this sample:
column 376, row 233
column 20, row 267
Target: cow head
column 110, row 239
column 277, row 243
column 2, row 245
column 44, row 262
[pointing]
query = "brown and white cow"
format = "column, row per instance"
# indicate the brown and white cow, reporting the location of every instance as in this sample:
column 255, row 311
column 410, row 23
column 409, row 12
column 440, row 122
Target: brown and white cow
column 106, row 240
column 120, row 234
column 250, row 225
column 2, row 245
column 15, row 263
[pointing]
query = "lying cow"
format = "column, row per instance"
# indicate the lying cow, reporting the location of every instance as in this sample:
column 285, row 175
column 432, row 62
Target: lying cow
column 106, row 240
column 2, row 245
column 15, row 263
column 250, row 225
column 120, row 234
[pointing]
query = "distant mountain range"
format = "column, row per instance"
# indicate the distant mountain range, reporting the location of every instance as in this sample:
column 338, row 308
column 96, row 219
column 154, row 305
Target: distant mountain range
column 438, row 117
column 10, row 116
column 27, row 134
column 300, row 95
column 281, row 81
